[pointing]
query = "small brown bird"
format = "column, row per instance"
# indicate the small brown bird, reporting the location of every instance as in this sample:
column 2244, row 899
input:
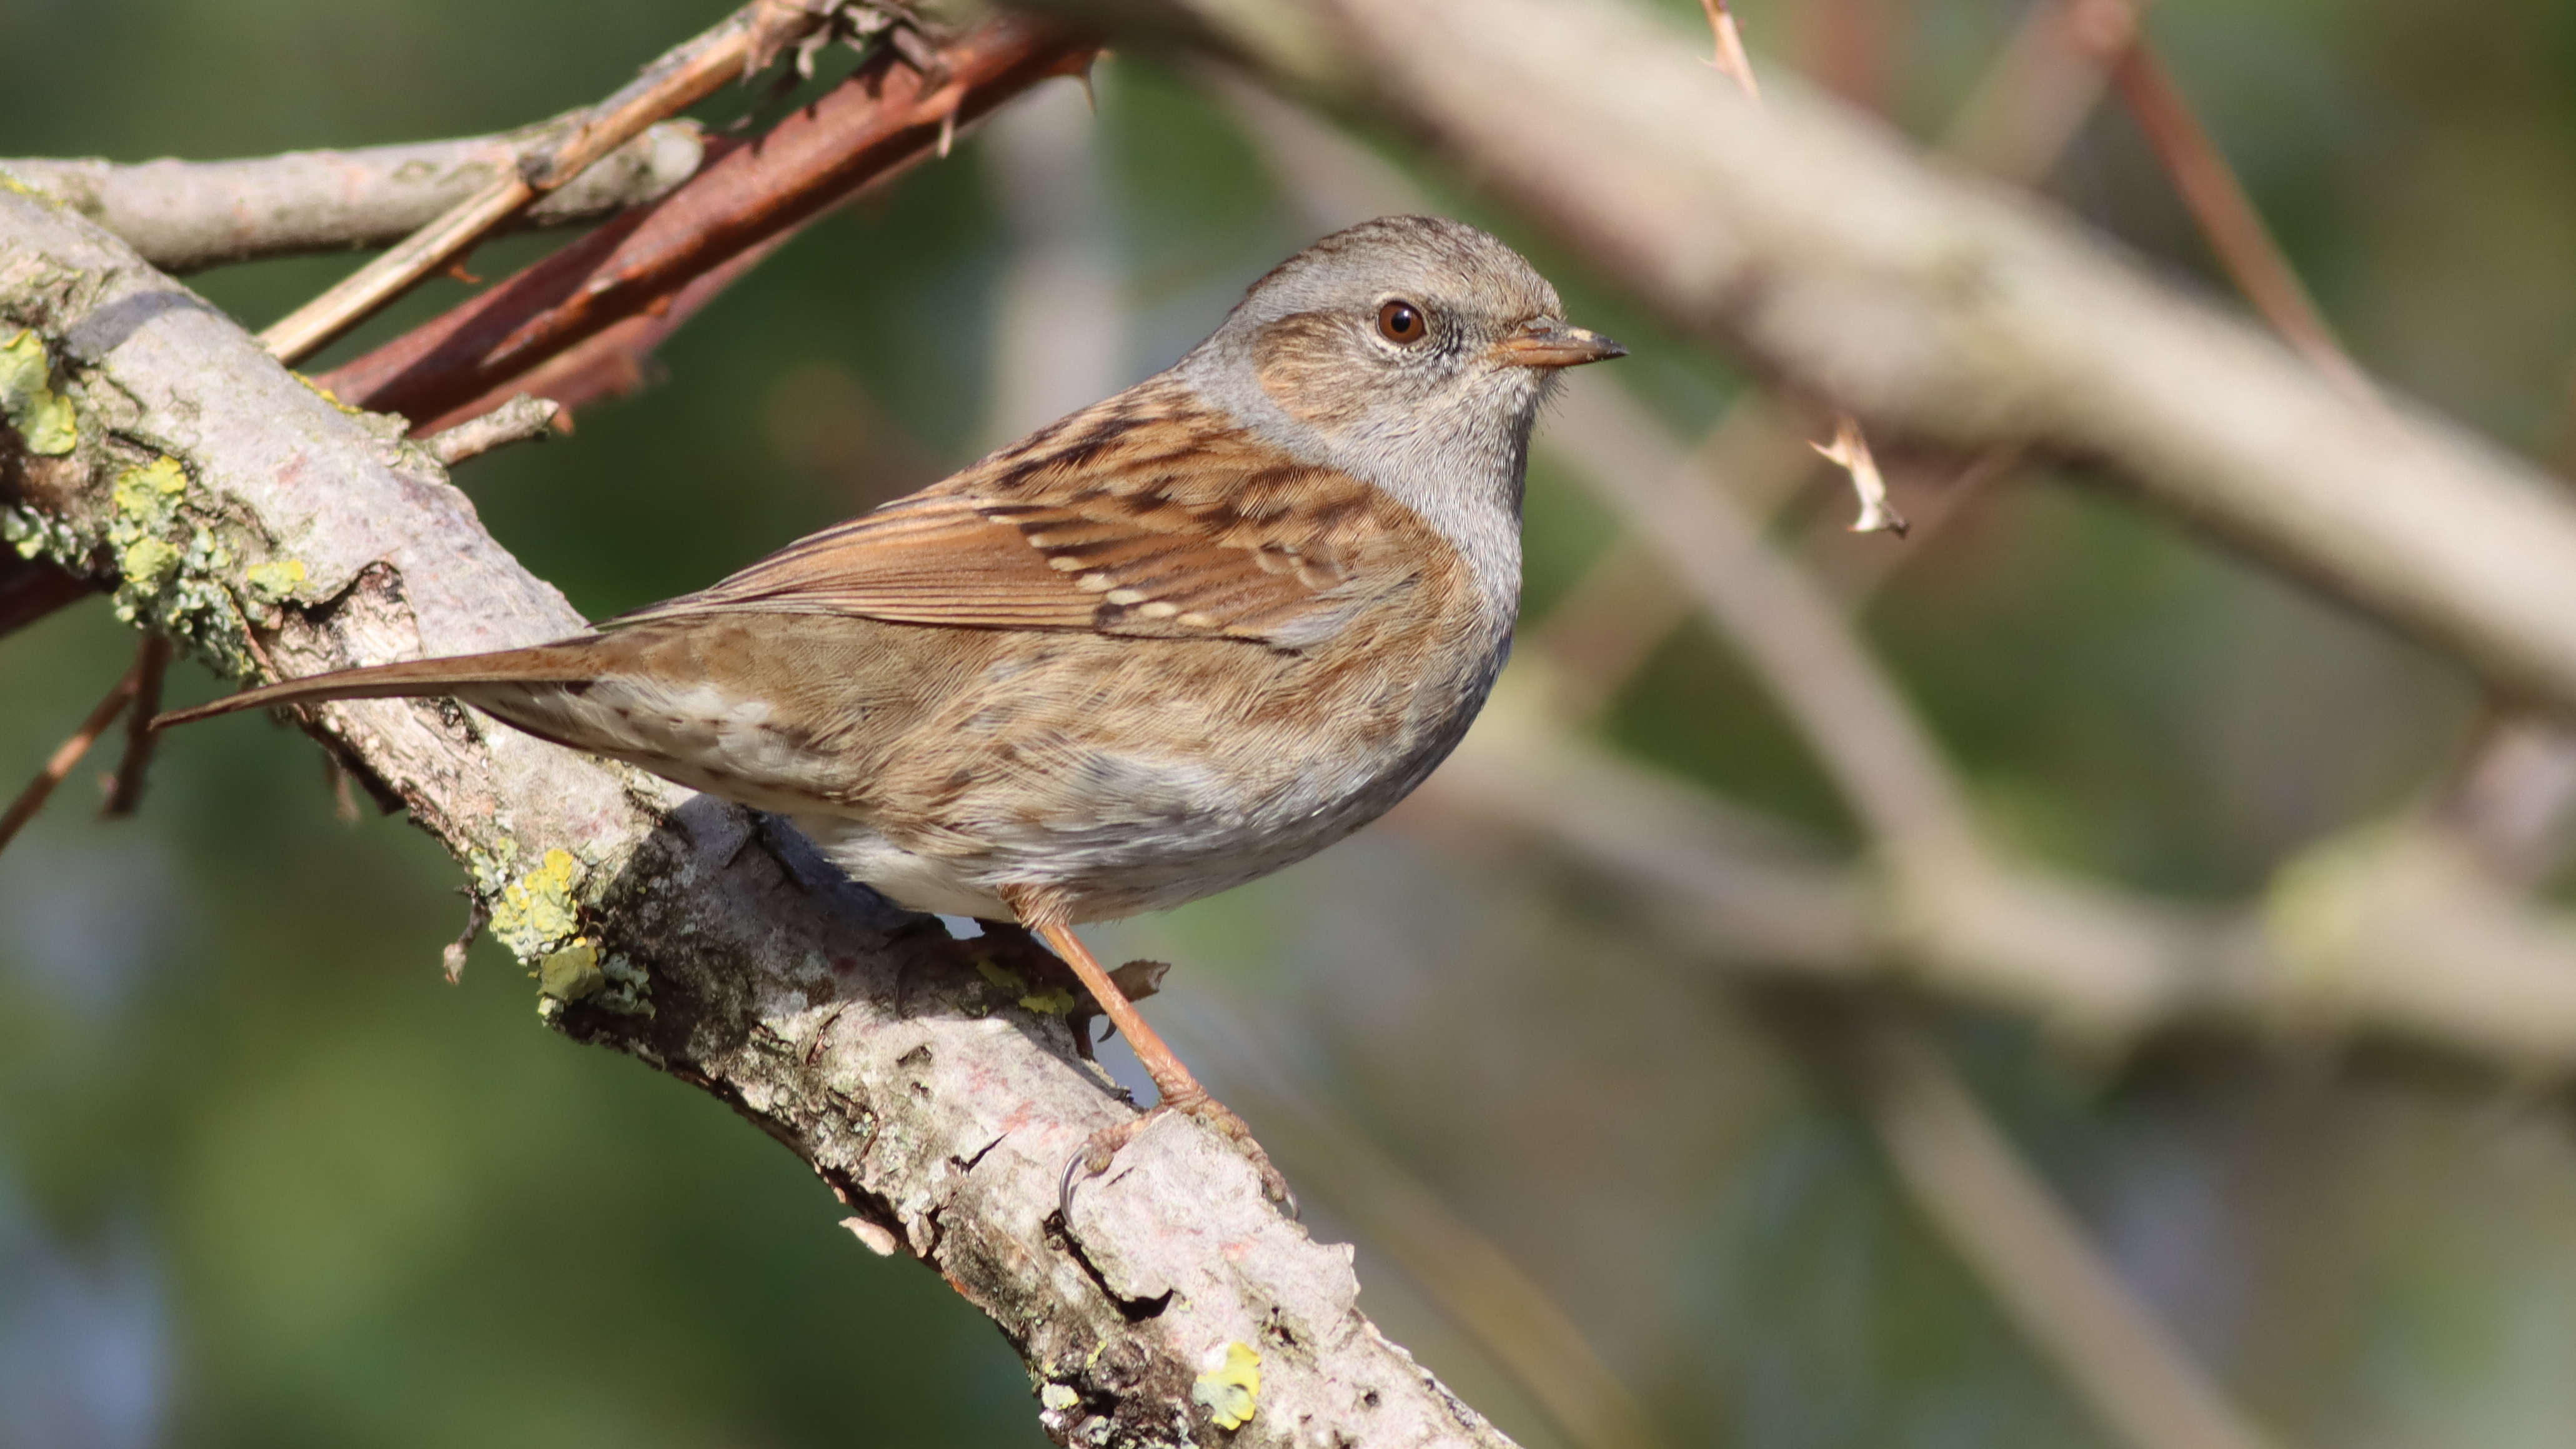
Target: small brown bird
column 1165, row 646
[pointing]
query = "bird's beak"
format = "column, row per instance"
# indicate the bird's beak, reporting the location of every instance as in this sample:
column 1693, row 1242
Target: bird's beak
column 1546, row 342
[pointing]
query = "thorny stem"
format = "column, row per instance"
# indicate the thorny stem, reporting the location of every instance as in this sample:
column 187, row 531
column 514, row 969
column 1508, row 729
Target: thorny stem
column 1730, row 57
column 1849, row 449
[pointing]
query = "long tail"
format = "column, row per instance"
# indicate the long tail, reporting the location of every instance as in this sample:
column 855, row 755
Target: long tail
column 568, row 662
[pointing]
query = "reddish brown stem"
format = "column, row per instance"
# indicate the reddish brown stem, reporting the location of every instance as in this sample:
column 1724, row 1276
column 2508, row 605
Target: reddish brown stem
column 32, row 799
column 2226, row 216
column 868, row 128
column 30, row 589
column 151, row 663
column 612, row 362
column 741, row 44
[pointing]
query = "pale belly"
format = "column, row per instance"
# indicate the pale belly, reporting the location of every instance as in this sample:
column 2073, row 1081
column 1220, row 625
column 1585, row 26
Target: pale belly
column 1140, row 849
column 1042, row 783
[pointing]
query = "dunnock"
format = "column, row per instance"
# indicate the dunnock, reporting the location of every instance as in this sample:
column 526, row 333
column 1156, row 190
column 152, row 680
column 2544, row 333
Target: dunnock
column 1167, row 645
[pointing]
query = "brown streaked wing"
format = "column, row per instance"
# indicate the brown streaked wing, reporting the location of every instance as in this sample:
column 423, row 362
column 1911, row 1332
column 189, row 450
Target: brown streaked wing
column 1097, row 527
column 919, row 561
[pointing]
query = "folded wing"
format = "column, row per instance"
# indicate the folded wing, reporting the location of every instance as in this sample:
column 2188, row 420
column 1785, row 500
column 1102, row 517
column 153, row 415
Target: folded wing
column 1145, row 515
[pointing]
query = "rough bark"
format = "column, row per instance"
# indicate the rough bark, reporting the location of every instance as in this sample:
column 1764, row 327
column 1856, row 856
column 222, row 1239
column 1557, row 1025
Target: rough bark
column 222, row 498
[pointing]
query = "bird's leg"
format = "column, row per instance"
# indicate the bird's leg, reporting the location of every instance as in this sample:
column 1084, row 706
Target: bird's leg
column 1180, row 1091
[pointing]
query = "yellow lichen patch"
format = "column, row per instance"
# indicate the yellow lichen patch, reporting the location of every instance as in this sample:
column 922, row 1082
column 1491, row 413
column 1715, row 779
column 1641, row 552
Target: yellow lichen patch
column 270, row 582
column 999, row 975
column 1230, row 1386
column 148, row 497
column 1049, row 1003
column 42, row 416
column 328, row 396
column 148, row 563
column 573, row 972
column 147, row 501
column 536, row 912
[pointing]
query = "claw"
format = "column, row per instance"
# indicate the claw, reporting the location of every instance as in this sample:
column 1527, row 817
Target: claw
column 1102, row 1150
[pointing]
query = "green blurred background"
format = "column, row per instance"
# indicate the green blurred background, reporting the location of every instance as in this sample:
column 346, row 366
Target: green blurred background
column 264, row 1179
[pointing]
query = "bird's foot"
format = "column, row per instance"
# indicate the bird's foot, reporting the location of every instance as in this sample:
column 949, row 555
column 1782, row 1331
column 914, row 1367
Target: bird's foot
column 1102, row 1150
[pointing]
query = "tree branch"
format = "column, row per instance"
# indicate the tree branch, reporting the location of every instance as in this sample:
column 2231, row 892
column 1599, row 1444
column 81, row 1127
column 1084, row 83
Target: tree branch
column 2000, row 1217
column 236, row 508
column 187, row 216
column 870, row 127
column 681, row 77
column 1817, row 245
column 2393, row 935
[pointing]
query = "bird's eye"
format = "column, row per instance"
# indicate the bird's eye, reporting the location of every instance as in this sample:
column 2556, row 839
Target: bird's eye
column 1400, row 322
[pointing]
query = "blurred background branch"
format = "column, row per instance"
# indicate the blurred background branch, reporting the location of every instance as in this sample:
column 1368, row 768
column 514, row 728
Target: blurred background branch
column 1940, row 311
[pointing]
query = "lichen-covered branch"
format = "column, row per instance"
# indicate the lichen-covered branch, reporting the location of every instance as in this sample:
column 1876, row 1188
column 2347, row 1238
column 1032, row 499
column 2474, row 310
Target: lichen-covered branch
column 230, row 505
column 186, row 216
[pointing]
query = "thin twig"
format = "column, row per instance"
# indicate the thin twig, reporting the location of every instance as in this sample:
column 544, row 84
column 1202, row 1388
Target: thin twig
column 1796, row 640
column 2226, row 215
column 681, row 78
column 1730, row 59
column 616, row 360
column 2001, row 1219
column 2018, row 123
column 878, row 122
column 187, row 216
column 2514, row 799
column 151, row 664
column 2390, row 939
column 2037, row 94
column 1849, row 449
column 520, row 418
column 32, row 799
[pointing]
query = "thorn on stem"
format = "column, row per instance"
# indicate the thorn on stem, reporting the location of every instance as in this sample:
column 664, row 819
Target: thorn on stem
column 1850, row 452
column 344, row 801
column 477, row 916
column 1730, row 57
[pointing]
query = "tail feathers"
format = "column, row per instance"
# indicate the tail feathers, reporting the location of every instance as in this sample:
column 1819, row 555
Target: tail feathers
column 411, row 679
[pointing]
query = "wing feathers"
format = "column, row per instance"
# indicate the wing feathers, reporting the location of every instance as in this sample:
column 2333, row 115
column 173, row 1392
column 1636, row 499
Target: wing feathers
column 1149, row 513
